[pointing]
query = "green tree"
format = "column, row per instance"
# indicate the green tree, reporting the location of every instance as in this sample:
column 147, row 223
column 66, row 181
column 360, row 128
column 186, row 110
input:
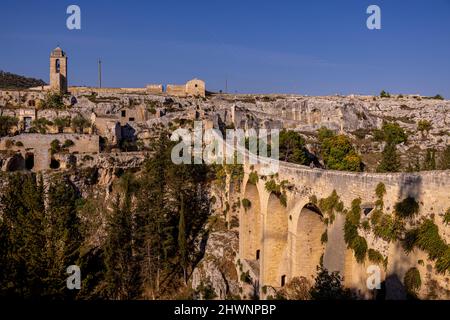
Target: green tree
column 79, row 123
column 324, row 133
column 53, row 100
column 55, row 146
column 292, row 147
column 6, row 124
column 64, row 237
column 22, row 238
column 392, row 133
column 119, row 261
column 182, row 245
column 328, row 286
column 153, row 236
column 40, row 125
column 338, row 152
column 390, row 161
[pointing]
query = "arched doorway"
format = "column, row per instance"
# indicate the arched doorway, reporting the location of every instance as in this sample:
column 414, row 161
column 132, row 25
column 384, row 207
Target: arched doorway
column 275, row 242
column 29, row 161
column 250, row 226
column 308, row 247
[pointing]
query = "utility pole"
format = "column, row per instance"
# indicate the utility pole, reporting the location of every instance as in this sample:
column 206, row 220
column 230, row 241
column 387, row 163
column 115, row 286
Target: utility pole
column 99, row 73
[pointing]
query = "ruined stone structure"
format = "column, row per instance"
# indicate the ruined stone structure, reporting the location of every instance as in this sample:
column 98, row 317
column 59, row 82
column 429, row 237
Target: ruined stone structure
column 278, row 243
column 194, row 88
column 58, row 70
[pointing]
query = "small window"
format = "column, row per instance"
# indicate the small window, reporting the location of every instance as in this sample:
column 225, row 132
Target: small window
column 257, row 254
column 27, row 123
column 283, row 280
column 130, row 119
column 57, row 66
column 124, row 113
column 29, row 161
column 196, row 85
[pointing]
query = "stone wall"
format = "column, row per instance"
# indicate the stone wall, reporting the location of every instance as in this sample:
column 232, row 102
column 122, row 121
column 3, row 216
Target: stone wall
column 176, row 90
column 155, row 88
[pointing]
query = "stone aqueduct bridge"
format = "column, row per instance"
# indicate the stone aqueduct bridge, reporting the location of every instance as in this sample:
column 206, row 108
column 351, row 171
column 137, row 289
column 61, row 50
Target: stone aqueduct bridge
column 285, row 241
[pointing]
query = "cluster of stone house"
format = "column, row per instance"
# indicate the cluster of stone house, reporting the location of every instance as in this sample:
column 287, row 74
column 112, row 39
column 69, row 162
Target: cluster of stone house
column 25, row 148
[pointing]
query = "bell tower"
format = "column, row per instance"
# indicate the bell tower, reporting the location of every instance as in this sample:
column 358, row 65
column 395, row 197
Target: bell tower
column 58, row 70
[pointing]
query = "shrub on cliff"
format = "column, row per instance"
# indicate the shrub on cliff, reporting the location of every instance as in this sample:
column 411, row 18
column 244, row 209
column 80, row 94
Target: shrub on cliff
column 390, row 161
column 391, row 132
column 246, row 204
column 338, row 152
column 406, row 208
column 292, row 147
column 52, row 100
column 61, row 123
column 424, row 125
column 384, row 94
column 6, row 124
column 40, row 125
column 55, row 146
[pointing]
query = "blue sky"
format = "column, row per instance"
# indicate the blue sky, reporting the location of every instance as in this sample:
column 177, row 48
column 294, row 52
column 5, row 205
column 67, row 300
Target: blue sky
column 306, row 47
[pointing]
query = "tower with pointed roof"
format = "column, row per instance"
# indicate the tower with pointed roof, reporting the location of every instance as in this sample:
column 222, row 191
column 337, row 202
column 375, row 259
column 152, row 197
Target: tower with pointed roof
column 58, row 70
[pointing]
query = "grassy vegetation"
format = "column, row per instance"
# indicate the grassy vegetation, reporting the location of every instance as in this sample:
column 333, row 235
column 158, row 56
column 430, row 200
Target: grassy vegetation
column 253, row 178
column 330, row 205
column 6, row 124
column 376, row 257
column 407, row 208
column 412, row 281
column 427, row 238
column 246, row 204
column 278, row 190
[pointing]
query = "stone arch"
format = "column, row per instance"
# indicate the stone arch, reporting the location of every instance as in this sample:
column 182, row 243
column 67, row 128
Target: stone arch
column 307, row 246
column 275, row 242
column 15, row 163
column 251, row 224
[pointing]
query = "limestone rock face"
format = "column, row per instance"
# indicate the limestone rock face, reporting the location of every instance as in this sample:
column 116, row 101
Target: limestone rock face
column 216, row 272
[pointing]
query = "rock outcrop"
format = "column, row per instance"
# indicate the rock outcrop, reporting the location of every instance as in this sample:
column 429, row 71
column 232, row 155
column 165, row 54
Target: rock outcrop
column 216, row 275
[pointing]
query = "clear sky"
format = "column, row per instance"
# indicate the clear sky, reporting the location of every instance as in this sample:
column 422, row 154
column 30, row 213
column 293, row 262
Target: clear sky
column 307, row 47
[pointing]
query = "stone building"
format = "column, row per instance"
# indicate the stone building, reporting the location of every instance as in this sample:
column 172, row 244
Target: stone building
column 194, row 88
column 155, row 88
column 58, row 70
